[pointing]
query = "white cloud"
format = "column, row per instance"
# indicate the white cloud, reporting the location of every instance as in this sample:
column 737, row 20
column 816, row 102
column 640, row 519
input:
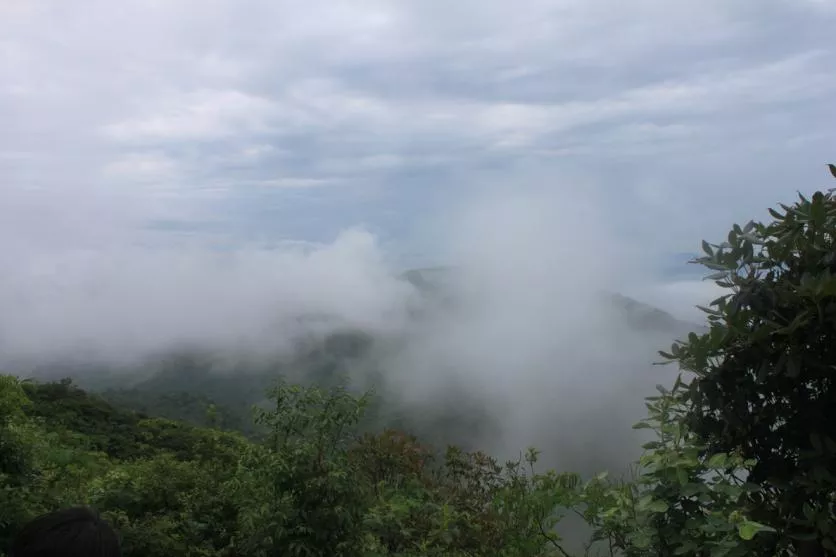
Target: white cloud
column 120, row 304
column 824, row 5
column 199, row 116
column 257, row 151
column 680, row 297
column 291, row 183
column 141, row 167
column 794, row 79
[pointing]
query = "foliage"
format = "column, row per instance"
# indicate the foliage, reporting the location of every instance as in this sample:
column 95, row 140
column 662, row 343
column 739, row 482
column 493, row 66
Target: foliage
column 763, row 382
column 304, row 497
column 683, row 501
column 17, row 442
column 313, row 486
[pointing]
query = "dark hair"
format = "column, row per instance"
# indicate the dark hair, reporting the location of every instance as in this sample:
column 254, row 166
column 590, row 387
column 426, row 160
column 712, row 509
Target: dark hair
column 73, row 532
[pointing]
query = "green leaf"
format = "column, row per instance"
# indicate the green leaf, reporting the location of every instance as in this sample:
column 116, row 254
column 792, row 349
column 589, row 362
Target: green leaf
column 749, row 528
column 776, row 215
column 658, row 506
column 641, row 540
column 718, row 460
column 687, row 547
column 832, row 169
column 710, row 311
column 645, row 501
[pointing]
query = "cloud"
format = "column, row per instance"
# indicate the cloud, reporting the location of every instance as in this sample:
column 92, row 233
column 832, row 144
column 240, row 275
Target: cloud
column 529, row 334
column 141, row 167
column 198, row 116
column 413, row 87
column 120, row 305
column 291, row 182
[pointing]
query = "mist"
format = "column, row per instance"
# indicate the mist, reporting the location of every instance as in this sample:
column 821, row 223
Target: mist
column 120, row 304
column 529, row 338
column 534, row 335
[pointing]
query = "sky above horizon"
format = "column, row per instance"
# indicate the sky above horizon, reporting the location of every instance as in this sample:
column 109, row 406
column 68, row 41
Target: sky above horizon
column 268, row 121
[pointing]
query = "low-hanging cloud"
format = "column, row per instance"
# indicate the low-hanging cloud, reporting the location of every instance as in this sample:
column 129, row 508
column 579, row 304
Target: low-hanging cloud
column 124, row 303
column 529, row 332
column 533, row 334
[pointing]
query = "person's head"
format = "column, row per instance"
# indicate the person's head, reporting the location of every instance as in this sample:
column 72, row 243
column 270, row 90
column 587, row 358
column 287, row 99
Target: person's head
column 73, row 532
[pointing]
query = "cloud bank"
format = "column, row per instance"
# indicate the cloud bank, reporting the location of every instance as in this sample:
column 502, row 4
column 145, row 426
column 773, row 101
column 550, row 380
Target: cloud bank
column 530, row 335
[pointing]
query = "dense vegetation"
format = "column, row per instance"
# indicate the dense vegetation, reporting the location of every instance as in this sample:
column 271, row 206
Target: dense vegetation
column 743, row 463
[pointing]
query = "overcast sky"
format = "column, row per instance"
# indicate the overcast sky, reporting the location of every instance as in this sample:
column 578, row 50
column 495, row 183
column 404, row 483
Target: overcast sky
column 257, row 121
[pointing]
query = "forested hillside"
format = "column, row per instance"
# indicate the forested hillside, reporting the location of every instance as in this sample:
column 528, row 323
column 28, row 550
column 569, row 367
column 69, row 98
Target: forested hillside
column 741, row 460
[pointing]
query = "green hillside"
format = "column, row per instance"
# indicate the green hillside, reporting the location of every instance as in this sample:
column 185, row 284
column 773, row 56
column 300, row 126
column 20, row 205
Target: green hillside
column 312, row 486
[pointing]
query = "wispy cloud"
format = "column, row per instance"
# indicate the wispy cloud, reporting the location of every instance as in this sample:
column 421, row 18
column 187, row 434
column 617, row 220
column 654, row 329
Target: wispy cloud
column 199, row 116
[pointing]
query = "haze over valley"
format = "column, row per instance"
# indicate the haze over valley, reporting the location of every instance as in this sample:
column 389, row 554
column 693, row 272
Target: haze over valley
column 525, row 342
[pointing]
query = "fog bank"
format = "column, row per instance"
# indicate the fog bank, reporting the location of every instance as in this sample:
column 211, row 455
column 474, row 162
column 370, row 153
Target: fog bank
column 523, row 327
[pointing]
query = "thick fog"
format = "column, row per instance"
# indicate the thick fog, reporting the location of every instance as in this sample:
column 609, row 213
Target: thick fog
column 532, row 331
column 120, row 304
column 523, row 329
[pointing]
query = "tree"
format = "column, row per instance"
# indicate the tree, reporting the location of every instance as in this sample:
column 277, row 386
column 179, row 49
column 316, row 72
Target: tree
column 763, row 376
column 17, row 459
column 299, row 492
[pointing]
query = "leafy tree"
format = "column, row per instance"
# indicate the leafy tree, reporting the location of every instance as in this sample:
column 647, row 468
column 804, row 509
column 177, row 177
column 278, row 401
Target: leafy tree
column 683, row 500
column 167, row 506
column 300, row 491
column 763, row 377
column 17, row 459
